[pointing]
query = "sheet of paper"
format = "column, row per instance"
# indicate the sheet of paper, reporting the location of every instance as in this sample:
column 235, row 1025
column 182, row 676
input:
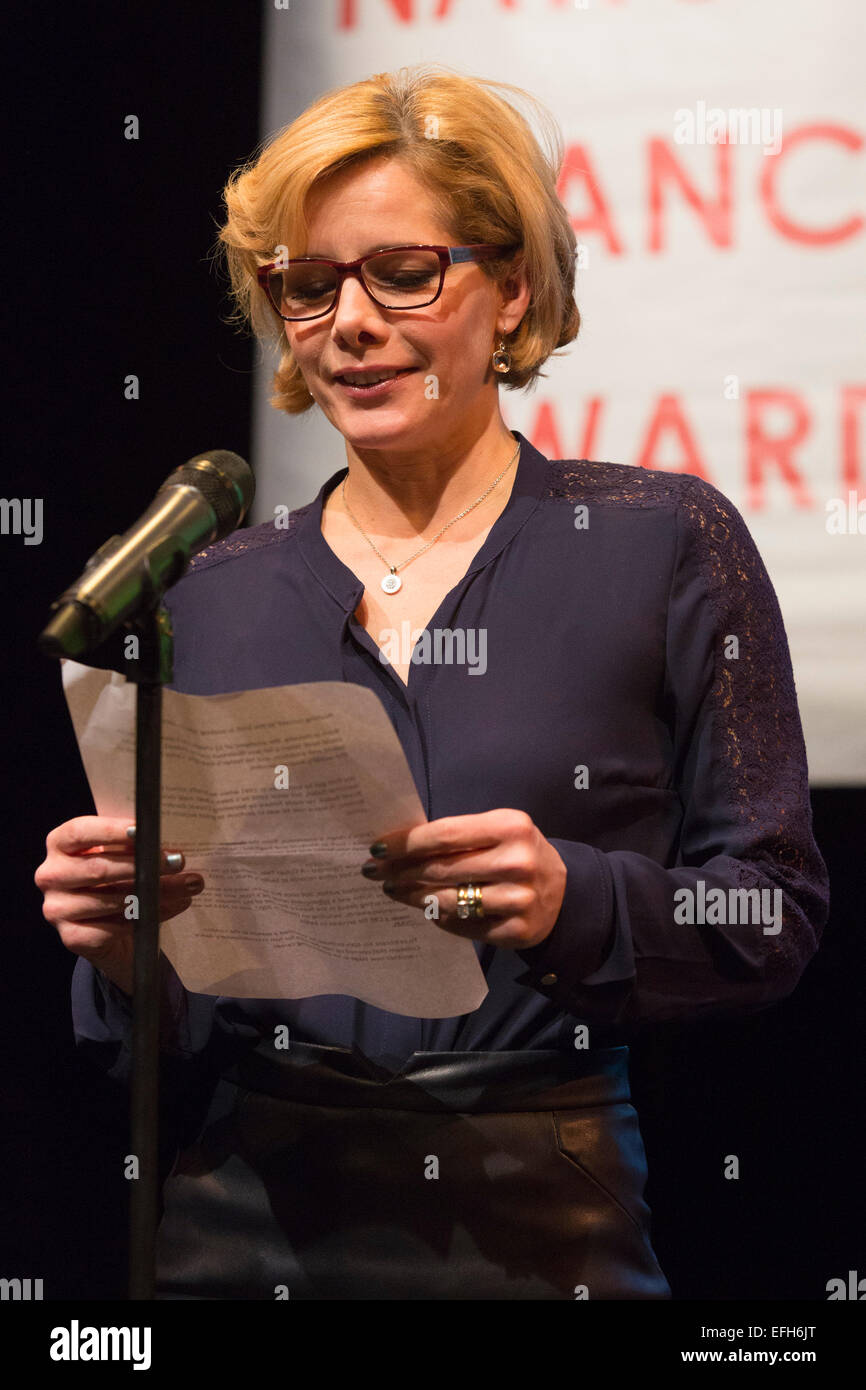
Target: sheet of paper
column 275, row 796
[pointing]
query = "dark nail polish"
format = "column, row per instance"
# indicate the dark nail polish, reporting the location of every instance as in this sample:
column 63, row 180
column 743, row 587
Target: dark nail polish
column 369, row 870
column 387, row 886
column 379, row 850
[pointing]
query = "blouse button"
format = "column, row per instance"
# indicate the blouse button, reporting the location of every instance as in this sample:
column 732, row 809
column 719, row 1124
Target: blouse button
column 548, row 979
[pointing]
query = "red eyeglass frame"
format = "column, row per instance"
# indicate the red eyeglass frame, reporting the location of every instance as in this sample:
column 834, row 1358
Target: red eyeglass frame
column 448, row 255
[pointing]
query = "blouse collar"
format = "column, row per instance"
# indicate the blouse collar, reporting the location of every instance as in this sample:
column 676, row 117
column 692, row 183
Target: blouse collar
column 347, row 589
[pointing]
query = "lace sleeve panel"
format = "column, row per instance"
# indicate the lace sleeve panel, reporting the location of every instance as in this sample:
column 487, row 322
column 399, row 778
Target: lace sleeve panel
column 756, row 740
column 739, row 766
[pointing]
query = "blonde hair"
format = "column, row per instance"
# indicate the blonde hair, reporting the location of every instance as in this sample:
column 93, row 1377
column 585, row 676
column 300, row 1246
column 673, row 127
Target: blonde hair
column 489, row 179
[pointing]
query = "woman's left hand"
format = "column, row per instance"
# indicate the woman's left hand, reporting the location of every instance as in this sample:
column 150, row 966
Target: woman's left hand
column 503, row 852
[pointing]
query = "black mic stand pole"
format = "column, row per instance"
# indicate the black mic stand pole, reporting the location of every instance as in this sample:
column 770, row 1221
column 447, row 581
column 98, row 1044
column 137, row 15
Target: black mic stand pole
column 152, row 670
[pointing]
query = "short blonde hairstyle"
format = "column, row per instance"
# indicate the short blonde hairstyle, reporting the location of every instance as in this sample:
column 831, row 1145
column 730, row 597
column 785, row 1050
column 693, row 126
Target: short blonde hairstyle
column 488, row 176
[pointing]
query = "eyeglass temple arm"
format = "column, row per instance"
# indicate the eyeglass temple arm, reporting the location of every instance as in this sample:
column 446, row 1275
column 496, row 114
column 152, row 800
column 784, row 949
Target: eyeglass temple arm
column 476, row 253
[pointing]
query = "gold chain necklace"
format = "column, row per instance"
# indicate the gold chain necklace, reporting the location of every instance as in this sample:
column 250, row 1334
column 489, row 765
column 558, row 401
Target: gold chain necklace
column 392, row 581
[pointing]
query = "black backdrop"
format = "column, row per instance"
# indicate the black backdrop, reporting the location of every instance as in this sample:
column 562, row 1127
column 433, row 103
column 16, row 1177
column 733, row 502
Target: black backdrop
column 111, row 276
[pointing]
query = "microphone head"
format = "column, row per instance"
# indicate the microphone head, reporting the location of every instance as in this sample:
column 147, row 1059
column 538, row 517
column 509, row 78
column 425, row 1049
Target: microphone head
column 131, row 571
column 225, row 480
column 73, row 631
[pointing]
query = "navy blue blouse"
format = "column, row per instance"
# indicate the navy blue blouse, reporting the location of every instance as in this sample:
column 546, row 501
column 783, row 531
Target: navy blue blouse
column 630, row 689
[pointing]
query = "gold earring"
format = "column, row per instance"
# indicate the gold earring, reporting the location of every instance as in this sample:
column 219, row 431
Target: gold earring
column 501, row 358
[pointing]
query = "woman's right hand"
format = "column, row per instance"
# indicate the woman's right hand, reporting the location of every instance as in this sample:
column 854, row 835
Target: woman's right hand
column 86, row 876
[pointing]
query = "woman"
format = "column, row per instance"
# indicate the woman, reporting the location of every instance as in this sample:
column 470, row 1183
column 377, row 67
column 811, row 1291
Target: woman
column 593, row 760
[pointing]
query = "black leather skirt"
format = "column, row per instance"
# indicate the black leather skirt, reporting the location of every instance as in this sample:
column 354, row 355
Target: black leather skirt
column 482, row 1175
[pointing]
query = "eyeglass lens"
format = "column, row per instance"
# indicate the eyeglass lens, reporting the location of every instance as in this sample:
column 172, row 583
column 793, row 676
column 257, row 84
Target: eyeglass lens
column 397, row 279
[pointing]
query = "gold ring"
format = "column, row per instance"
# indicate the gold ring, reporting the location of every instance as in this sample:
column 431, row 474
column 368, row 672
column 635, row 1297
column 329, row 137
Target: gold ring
column 469, row 901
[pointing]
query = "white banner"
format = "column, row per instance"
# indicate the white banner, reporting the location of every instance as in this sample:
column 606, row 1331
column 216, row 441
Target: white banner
column 722, row 284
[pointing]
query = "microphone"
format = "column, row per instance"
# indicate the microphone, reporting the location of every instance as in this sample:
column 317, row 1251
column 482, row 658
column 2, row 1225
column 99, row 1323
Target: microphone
column 202, row 501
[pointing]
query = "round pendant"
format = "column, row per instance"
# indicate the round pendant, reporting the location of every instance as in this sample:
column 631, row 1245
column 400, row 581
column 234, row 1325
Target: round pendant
column 391, row 583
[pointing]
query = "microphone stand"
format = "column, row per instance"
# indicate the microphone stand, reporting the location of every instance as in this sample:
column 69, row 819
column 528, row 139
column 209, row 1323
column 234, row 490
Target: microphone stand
column 201, row 501
column 153, row 670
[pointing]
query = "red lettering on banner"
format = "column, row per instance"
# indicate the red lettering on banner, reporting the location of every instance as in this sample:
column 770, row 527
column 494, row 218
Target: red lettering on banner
column 577, row 166
column 808, row 236
column 347, row 12
column 852, row 396
column 716, row 210
column 669, row 417
column 664, row 167
column 763, row 448
column 347, row 17
column 404, row 10
column 546, row 437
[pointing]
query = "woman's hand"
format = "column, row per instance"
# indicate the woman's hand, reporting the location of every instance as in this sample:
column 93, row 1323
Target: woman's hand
column 503, row 852
column 87, row 875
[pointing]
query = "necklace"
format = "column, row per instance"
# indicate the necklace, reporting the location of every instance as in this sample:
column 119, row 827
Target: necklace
column 392, row 581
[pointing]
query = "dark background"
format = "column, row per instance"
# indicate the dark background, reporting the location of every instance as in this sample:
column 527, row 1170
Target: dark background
column 112, row 276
